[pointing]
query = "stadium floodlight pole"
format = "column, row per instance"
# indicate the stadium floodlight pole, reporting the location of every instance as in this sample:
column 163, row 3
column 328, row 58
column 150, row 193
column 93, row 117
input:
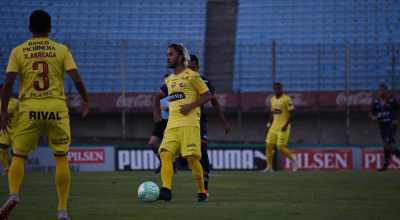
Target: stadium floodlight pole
column 347, row 93
column 123, row 89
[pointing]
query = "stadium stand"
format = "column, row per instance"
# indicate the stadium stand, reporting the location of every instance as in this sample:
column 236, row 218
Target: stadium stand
column 94, row 31
column 311, row 38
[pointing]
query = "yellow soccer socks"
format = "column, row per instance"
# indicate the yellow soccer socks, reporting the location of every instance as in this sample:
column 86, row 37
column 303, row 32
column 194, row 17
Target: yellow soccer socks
column 167, row 170
column 270, row 154
column 286, row 152
column 16, row 174
column 63, row 181
column 197, row 171
column 4, row 158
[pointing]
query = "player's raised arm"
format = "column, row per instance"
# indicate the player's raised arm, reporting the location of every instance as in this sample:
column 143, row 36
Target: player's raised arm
column 5, row 99
column 217, row 107
column 80, row 86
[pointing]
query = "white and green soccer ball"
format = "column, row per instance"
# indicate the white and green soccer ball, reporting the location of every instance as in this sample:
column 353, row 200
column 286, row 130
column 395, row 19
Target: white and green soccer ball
column 148, row 192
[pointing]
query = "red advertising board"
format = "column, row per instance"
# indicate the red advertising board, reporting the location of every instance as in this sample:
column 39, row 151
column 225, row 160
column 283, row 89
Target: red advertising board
column 86, row 156
column 320, row 159
column 372, row 159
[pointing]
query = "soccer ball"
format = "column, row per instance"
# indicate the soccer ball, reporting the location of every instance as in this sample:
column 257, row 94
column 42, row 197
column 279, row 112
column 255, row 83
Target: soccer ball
column 148, row 192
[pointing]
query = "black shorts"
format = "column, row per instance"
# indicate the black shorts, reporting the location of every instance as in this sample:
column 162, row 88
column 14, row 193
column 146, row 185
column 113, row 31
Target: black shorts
column 159, row 129
column 388, row 133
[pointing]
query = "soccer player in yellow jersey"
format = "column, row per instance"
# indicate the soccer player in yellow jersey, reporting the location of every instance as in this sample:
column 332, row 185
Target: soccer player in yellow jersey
column 186, row 93
column 5, row 138
column 278, row 126
column 41, row 64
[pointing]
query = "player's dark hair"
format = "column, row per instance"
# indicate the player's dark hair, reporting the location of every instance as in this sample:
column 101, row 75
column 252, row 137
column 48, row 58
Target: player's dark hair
column 181, row 51
column 166, row 75
column 383, row 86
column 278, row 84
column 194, row 58
column 40, row 21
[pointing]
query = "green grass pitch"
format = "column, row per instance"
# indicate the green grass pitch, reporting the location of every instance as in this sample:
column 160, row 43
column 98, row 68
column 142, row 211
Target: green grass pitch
column 233, row 195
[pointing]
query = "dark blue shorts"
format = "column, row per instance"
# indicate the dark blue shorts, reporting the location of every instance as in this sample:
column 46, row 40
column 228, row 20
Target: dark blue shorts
column 388, row 133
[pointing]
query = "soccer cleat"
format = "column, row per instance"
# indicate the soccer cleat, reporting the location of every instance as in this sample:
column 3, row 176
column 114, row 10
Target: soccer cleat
column 268, row 169
column 5, row 173
column 63, row 215
column 383, row 169
column 165, row 194
column 158, row 169
column 207, row 193
column 202, row 197
column 294, row 166
column 11, row 203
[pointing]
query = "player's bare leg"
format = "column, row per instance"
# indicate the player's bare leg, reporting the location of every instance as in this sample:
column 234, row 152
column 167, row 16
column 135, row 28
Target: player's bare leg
column 153, row 143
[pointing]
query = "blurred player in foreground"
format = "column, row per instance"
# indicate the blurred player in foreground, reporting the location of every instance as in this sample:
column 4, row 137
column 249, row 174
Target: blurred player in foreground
column 278, row 126
column 386, row 111
column 205, row 163
column 186, row 92
column 40, row 63
column 5, row 138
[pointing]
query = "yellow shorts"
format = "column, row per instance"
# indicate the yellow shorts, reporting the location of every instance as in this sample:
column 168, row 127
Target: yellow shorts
column 36, row 115
column 6, row 138
column 182, row 140
column 277, row 136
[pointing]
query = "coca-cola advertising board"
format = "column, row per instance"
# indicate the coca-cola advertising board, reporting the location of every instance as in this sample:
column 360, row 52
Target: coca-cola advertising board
column 320, row 159
column 372, row 160
column 250, row 102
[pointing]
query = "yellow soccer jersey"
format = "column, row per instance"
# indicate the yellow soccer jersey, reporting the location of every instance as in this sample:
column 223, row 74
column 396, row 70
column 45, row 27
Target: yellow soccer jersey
column 41, row 64
column 13, row 110
column 280, row 108
column 182, row 89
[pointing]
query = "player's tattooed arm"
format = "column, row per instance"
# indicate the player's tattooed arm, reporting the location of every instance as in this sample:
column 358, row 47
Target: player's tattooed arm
column 5, row 99
column 81, row 88
column 157, row 110
column 225, row 127
column 204, row 98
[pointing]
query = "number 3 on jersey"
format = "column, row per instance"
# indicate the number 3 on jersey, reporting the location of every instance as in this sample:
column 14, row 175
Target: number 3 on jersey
column 46, row 83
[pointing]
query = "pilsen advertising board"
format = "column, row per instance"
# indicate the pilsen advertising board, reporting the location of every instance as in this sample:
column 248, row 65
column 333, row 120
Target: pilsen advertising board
column 320, row 159
column 220, row 159
column 372, row 160
column 80, row 159
column 143, row 102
